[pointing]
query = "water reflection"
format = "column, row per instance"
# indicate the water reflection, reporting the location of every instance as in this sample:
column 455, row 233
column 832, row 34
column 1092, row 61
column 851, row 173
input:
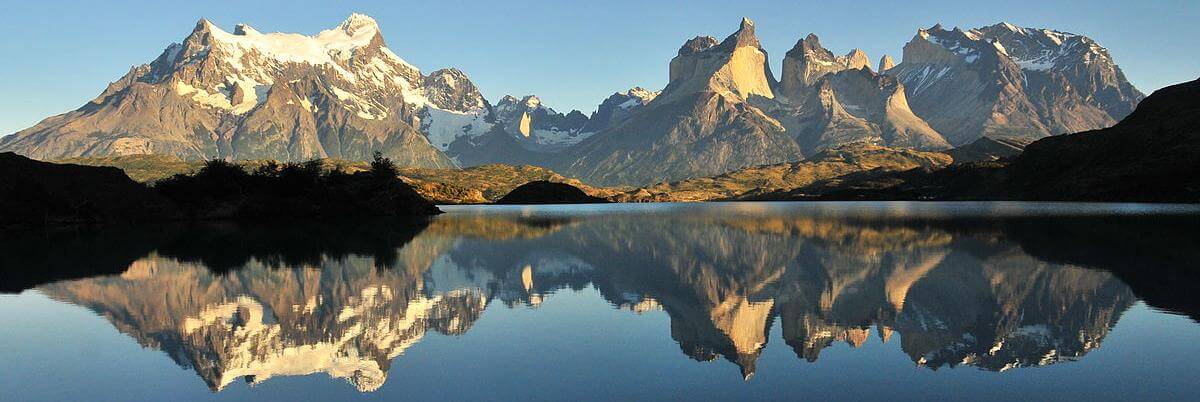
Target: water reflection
column 233, row 303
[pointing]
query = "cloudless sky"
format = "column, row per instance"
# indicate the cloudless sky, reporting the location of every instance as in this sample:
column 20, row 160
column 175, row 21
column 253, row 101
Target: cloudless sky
column 59, row 54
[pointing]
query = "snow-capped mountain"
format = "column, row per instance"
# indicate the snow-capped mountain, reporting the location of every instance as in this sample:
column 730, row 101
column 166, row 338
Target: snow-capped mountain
column 340, row 93
column 1008, row 81
column 618, row 107
column 537, row 126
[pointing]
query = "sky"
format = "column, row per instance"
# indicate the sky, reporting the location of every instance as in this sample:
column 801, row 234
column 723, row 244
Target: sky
column 572, row 54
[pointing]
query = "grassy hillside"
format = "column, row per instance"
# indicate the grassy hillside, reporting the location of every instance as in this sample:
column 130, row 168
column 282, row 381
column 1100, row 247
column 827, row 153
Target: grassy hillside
column 825, row 165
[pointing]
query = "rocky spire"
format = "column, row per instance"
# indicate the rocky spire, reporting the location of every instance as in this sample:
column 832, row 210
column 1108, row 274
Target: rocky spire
column 743, row 37
column 886, row 63
column 857, row 60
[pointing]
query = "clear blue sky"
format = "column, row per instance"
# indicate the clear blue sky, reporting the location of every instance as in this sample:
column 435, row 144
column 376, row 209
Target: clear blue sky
column 60, row 54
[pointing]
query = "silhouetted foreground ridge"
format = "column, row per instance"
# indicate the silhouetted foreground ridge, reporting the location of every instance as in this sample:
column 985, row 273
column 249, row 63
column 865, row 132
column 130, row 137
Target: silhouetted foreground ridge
column 34, row 193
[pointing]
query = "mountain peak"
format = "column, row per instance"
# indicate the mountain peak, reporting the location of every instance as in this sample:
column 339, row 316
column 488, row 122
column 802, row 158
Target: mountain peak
column 203, row 25
column 697, row 45
column 244, row 30
column 857, row 60
column 886, row 63
column 744, row 36
column 357, row 24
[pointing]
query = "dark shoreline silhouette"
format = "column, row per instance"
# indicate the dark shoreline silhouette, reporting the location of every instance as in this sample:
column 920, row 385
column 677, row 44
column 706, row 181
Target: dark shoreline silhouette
column 35, row 194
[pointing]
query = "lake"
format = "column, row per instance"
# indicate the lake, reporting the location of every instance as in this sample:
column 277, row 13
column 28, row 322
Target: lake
column 713, row 301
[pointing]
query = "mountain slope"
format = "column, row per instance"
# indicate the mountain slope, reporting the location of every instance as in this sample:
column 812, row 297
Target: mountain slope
column 758, row 180
column 701, row 124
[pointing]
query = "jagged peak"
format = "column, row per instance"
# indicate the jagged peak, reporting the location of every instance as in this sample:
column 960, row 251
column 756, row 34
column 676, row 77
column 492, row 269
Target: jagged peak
column 204, row 25
column 697, row 45
column 809, row 47
column 531, row 101
column 857, row 59
column 358, row 23
column 744, row 36
column 244, row 30
column 886, row 63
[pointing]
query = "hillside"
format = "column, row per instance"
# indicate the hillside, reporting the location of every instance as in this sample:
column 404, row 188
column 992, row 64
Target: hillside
column 828, row 164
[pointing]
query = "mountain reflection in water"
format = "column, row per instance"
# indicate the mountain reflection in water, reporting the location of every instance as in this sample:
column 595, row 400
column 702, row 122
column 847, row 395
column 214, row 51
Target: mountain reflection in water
column 234, row 303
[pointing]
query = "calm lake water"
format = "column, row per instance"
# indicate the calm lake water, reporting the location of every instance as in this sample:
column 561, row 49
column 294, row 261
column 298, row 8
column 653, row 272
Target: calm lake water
column 720, row 301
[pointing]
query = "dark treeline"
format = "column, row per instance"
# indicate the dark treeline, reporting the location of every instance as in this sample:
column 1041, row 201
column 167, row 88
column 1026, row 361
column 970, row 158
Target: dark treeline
column 34, row 193
column 224, row 190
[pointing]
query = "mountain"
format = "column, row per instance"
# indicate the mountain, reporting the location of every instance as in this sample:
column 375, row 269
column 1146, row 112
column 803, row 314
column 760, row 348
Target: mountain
column 832, row 101
column 1007, row 81
column 526, row 131
column 701, row 124
column 342, row 94
column 247, row 95
column 618, row 107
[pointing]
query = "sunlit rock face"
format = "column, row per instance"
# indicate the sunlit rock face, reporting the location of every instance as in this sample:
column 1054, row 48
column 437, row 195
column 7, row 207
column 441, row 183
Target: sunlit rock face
column 701, row 124
column 945, row 295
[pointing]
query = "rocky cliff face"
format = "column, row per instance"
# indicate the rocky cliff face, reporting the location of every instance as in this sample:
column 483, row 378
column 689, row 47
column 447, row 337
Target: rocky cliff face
column 833, row 101
column 701, row 124
column 1007, row 81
